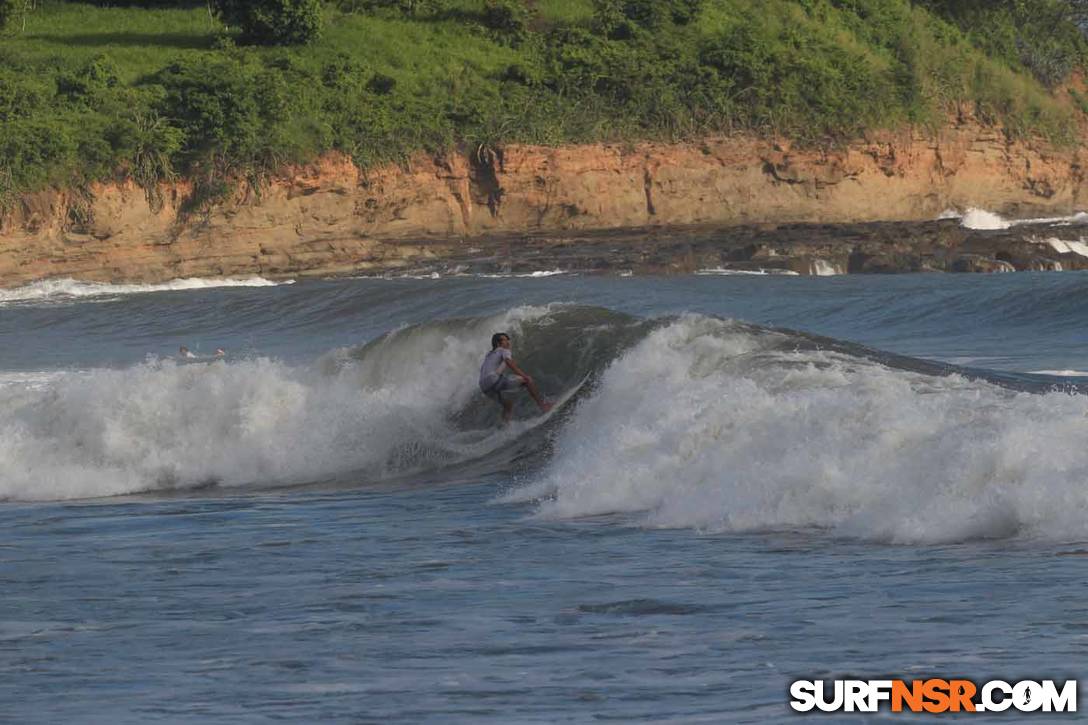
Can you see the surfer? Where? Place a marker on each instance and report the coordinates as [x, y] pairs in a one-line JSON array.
[[185, 353], [500, 377]]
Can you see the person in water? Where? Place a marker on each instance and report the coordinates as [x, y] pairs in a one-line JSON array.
[[500, 377], [187, 354]]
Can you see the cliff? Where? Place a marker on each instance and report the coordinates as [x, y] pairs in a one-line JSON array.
[[331, 218]]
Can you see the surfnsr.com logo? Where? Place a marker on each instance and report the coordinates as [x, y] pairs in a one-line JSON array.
[[933, 696]]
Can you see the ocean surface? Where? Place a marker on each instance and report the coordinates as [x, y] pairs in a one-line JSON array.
[[765, 478]]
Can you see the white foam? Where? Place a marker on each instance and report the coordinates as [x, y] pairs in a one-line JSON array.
[[982, 219], [160, 425], [539, 274], [70, 288], [1062, 246], [1061, 373], [543, 273], [1078, 218], [460, 272], [37, 380], [823, 268], [704, 425], [722, 272]]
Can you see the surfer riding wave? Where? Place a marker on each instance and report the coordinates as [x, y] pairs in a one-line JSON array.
[[500, 377]]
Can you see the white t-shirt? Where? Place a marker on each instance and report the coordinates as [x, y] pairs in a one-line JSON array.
[[494, 362]]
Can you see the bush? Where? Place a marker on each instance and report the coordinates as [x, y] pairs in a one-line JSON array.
[[228, 109], [22, 94], [618, 19], [8, 10], [508, 18], [148, 3], [147, 143], [654, 14], [33, 150], [800, 84], [89, 84], [410, 8], [272, 22], [1046, 37]]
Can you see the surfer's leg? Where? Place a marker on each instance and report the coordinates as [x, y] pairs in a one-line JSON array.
[[507, 410], [544, 405]]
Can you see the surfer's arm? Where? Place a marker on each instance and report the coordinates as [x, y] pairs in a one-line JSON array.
[[517, 371]]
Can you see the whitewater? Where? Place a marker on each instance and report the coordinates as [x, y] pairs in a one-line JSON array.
[[765, 477]]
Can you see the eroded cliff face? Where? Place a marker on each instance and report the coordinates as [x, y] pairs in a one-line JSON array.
[[331, 218]]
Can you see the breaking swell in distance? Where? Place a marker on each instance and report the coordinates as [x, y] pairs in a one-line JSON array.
[[69, 289]]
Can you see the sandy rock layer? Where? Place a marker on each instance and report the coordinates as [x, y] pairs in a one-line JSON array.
[[739, 203]]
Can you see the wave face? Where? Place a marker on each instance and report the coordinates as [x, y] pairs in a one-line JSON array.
[[718, 426]]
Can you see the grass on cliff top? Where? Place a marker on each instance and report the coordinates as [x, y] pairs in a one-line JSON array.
[[90, 92]]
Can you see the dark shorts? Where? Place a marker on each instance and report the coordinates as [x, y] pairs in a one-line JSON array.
[[506, 384]]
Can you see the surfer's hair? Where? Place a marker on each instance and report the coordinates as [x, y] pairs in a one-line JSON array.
[[497, 338]]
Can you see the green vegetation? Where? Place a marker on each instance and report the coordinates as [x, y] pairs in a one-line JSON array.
[[272, 22], [154, 89]]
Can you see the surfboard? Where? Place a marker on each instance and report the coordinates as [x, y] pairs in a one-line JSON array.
[[561, 401], [517, 427]]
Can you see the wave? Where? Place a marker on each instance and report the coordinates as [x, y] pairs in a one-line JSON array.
[[722, 272], [66, 289], [404, 402], [716, 426], [689, 421], [459, 272], [981, 219]]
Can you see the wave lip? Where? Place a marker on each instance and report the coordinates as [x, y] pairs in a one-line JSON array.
[[67, 288]]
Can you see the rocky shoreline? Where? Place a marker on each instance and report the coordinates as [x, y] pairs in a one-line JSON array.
[[803, 249], [732, 204]]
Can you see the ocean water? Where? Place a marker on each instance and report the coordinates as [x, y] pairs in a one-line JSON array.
[[765, 479]]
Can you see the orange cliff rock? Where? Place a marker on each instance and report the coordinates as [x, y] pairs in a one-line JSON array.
[[331, 218]]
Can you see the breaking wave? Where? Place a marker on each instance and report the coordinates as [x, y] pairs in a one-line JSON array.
[[716, 426], [66, 289], [404, 402], [981, 219], [689, 421]]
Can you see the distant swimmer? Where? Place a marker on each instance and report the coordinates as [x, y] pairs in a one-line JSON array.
[[185, 353], [500, 377]]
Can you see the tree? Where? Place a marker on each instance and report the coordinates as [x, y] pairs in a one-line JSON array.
[[272, 22]]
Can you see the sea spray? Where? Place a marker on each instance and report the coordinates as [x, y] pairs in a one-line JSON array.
[[705, 424], [383, 409], [981, 219]]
